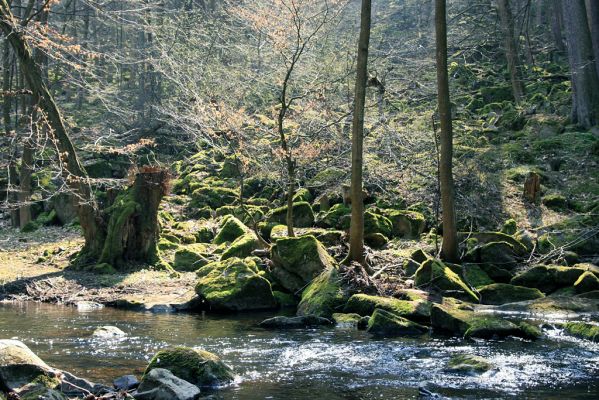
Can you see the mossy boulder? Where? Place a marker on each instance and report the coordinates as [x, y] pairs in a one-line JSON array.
[[385, 323], [501, 254], [413, 262], [231, 229], [376, 240], [502, 293], [436, 274], [548, 278], [213, 197], [234, 284], [285, 300], [189, 258], [587, 282], [475, 276], [20, 366], [555, 201], [297, 261], [468, 364], [497, 274], [195, 366], [449, 318], [303, 216], [38, 391], [338, 217], [583, 330], [406, 224], [302, 194], [349, 320], [415, 310], [377, 223], [325, 236], [324, 296], [242, 247], [247, 214]]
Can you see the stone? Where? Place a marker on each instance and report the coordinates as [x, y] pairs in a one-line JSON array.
[[468, 364], [406, 224], [502, 293], [548, 278], [20, 366], [365, 305], [376, 240], [347, 320], [161, 384], [37, 391], [385, 323], [323, 296], [299, 322], [231, 229], [189, 258], [107, 332], [587, 282], [196, 366], [582, 330], [436, 274], [234, 284], [125, 382], [303, 215]]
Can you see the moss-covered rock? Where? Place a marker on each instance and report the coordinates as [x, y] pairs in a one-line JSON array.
[[497, 274], [324, 296], [377, 223], [189, 258], [234, 285], [415, 310], [38, 391], [501, 254], [195, 366], [406, 224], [338, 217], [302, 194], [468, 364], [303, 216], [583, 330], [242, 247], [376, 240], [548, 278], [20, 366], [231, 229], [247, 214], [475, 276], [413, 262], [555, 201], [296, 261], [326, 236], [385, 323], [436, 274], [502, 293], [351, 320], [509, 227], [213, 197], [587, 282], [285, 300]]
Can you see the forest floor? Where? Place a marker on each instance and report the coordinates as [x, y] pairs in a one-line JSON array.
[[34, 266]]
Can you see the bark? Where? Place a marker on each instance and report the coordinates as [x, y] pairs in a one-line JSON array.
[[585, 82], [511, 48], [356, 230], [593, 18], [6, 108], [449, 247], [25, 215]]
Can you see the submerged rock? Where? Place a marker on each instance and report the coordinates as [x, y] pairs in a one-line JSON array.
[[126, 382], [363, 304], [108, 332], [196, 366], [350, 320], [324, 296], [300, 322], [468, 364], [20, 366], [161, 384], [384, 323], [234, 285], [502, 293]]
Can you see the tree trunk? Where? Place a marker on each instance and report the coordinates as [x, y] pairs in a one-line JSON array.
[[25, 215], [557, 25], [449, 247], [593, 18], [585, 82], [356, 229], [511, 48], [11, 195]]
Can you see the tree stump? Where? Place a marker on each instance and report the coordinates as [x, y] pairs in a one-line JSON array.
[[532, 187]]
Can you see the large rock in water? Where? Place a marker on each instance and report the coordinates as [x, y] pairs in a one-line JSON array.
[[385, 323], [196, 366], [548, 278], [300, 322], [234, 285], [435, 273], [363, 304], [297, 261], [324, 296], [161, 384], [502, 293], [20, 366]]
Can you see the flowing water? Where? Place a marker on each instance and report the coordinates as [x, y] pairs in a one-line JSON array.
[[326, 364]]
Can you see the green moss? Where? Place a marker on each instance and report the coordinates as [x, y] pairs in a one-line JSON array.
[[48, 218], [234, 285], [468, 364], [231, 229], [30, 226], [347, 319], [501, 293], [302, 194], [555, 202], [196, 366], [376, 240], [376, 223], [363, 304], [548, 278], [213, 197], [103, 269], [475, 276], [303, 216], [510, 227], [323, 296], [385, 323], [122, 209], [285, 300], [243, 246], [496, 94], [583, 330], [587, 282], [337, 217], [190, 258], [435, 273]]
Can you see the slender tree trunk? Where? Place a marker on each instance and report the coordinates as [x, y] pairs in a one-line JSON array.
[[11, 195], [356, 229], [449, 248], [557, 25], [593, 17], [511, 48], [585, 82], [25, 215]]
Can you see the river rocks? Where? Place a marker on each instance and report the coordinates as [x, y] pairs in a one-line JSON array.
[[37, 391], [243, 246], [582, 330], [468, 364], [108, 332], [324, 296], [436, 274], [190, 258], [196, 366], [554, 305], [72, 386], [297, 261], [20, 366], [351, 320], [384, 323], [231, 229], [126, 382], [475, 276], [450, 318], [587, 282], [303, 216], [234, 285], [548, 278], [502, 293], [161, 384], [300, 322], [363, 304]]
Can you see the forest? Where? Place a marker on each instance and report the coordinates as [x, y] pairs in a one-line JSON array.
[[299, 199]]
